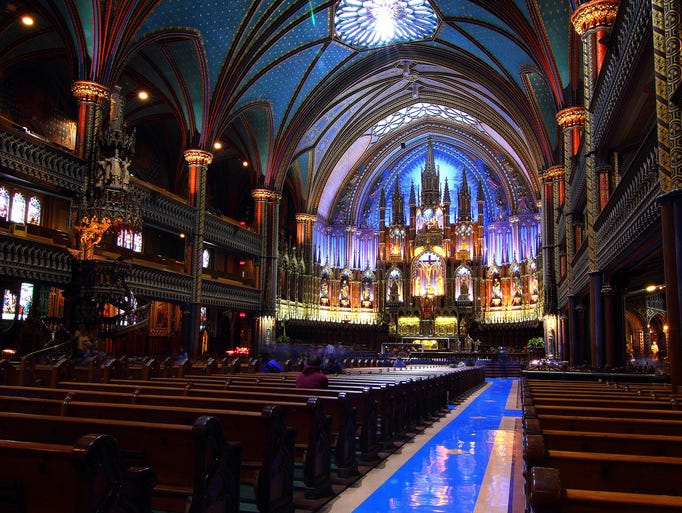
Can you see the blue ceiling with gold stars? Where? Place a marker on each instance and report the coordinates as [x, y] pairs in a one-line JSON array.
[[259, 75]]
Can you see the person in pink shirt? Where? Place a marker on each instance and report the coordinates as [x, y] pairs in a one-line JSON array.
[[311, 376]]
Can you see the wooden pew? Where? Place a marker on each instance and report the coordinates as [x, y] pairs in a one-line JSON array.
[[602, 423], [539, 410], [550, 495], [311, 425], [339, 408], [591, 441], [622, 472], [88, 476], [384, 394], [189, 460], [363, 401]]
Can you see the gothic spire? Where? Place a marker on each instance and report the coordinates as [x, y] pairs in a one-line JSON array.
[[464, 199], [430, 193], [398, 205]]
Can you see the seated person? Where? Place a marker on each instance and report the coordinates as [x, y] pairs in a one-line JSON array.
[[272, 366], [331, 366], [399, 363], [311, 376]]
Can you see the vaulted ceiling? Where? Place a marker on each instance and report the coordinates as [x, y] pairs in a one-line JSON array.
[[273, 83]]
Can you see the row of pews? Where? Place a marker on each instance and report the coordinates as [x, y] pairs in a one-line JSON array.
[[601, 447], [205, 442]]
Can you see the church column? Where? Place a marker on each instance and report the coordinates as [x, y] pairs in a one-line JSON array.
[[604, 173], [304, 228], [91, 98], [266, 223], [581, 354], [571, 121], [197, 162], [593, 21], [609, 294], [667, 39], [550, 253]]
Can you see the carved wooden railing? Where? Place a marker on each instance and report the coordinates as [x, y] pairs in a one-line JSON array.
[[232, 236], [160, 284], [39, 161], [215, 293], [632, 209], [631, 31], [34, 261]]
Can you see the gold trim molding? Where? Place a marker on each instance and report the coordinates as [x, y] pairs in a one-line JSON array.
[[265, 194], [305, 217], [198, 157], [87, 91], [571, 117], [552, 173], [595, 14]]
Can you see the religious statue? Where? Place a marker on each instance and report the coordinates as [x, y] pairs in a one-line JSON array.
[[345, 292], [366, 293], [427, 307], [393, 290], [324, 291], [497, 292]]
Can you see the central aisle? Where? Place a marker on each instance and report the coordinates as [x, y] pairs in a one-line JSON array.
[[462, 464]]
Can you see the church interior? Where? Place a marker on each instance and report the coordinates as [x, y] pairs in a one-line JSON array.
[[430, 180]]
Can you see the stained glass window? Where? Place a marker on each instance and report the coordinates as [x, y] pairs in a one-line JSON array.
[[4, 203], [17, 307], [9, 304], [34, 210], [18, 212], [374, 23], [130, 240]]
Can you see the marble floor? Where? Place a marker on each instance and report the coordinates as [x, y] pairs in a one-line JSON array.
[[467, 462]]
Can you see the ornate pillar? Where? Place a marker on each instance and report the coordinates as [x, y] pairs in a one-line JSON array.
[[608, 292], [198, 162], [304, 227], [571, 121], [581, 332], [91, 98], [592, 21], [667, 35], [550, 254], [604, 173], [267, 225]]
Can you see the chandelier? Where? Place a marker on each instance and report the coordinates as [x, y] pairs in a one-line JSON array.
[[374, 23]]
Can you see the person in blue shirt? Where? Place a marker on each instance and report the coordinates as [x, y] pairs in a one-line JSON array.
[[272, 366]]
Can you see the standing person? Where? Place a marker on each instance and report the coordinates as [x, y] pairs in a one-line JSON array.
[[502, 357], [311, 376], [182, 355]]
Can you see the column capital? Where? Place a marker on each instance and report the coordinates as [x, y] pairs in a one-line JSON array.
[[304, 217], [595, 14], [608, 290], [265, 194], [198, 157], [571, 117], [552, 174], [87, 91]]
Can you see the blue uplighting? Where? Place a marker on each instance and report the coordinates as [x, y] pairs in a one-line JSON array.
[[446, 474]]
